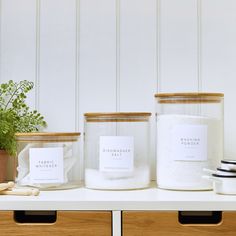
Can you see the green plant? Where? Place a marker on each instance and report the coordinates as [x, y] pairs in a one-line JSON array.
[[15, 115]]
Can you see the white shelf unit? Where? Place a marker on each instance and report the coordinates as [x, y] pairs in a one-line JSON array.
[[151, 199]]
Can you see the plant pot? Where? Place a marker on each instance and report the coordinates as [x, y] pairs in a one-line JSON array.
[[3, 165]]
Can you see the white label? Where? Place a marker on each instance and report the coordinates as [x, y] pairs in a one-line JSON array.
[[116, 153], [189, 143], [46, 165]]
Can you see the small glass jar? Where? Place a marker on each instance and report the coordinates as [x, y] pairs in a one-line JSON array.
[[48, 160], [116, 150], [189, 138]]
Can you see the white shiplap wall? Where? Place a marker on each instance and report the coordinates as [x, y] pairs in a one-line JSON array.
[[113, 55]]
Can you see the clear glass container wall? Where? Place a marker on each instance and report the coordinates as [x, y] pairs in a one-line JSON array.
[[189, 138], [48, 160], [116, 150]]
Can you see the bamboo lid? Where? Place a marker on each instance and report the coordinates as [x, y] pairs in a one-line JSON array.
[[195, 95], [117, 116], [47, 136], [189, 97]]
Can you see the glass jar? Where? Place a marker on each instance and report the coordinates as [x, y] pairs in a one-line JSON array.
[[116, 150], [189, 138], [48, 160]]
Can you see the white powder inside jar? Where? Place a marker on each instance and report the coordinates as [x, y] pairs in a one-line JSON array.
[[174, 173], [139, 178]]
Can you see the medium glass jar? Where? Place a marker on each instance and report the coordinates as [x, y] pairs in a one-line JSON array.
[[116, 150], [48, 160], [189, 138]]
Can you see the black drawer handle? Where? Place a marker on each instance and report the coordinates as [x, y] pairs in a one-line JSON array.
[[199, 217], [36, 217]]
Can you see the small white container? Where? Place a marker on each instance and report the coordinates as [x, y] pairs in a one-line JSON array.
[[116, 150], [221, 171], [48, 160], [228, 164], [223, 184]]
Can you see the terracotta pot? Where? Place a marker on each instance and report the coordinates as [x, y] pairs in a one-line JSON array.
[[3, 165]]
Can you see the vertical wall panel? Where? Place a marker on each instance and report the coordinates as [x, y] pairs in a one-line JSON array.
[[137, 59], [97, 65], [17, 40], [178, 65], [219, 58], [137, 54], [57, 68]]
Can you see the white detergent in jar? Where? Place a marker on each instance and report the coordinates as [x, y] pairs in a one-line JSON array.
[[138, 178], [116, 150], [185, 145]]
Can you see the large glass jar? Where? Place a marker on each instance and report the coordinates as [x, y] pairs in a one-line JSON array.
[[48, 160], [189, 138], [116, 150]]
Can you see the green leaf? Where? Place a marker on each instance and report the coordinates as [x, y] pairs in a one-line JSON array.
[[16, 115]]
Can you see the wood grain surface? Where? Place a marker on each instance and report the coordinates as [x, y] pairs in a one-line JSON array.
[[69, 223], [166, 224]]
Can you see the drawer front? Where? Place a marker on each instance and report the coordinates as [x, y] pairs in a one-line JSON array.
[[68, 223], [167, 224]]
